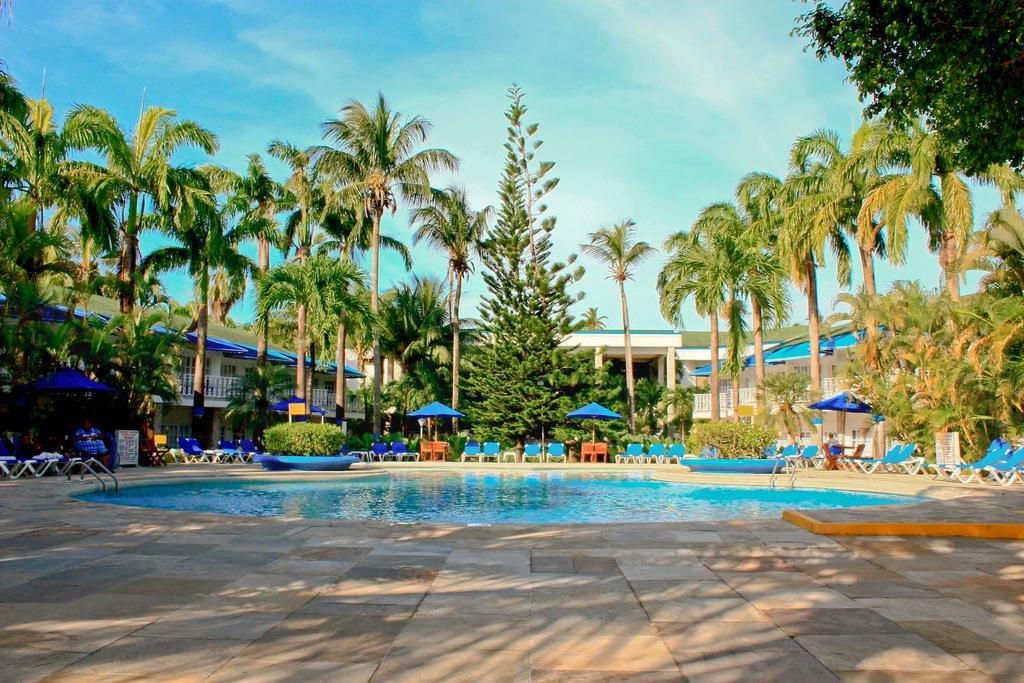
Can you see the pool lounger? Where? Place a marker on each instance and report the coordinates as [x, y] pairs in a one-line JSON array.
[[1007, 472], [634, 453]]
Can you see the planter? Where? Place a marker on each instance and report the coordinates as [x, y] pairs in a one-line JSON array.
[[305, 463], [734, 465]]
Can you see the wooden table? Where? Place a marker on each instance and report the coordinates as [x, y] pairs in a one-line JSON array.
[[433, 450]]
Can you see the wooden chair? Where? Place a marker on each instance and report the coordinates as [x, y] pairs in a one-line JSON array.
[[440, 450]]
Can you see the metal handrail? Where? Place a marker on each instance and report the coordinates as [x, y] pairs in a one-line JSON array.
[[87, 466]]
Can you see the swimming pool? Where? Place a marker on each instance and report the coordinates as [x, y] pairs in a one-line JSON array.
[[475, 497]]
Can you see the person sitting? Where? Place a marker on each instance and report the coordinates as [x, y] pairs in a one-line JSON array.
[[834, 447], [89, 440]]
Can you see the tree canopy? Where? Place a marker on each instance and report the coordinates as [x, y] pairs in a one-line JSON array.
[[957, 63]]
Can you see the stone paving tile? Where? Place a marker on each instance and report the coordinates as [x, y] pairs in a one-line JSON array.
[[181, 658], [755, 665], [819, 621], [418, 665], [255, 670], [309, 637], [952, 637], [883, 652]]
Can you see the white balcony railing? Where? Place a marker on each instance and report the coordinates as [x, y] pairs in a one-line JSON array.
[[748, 397], [217, 386]]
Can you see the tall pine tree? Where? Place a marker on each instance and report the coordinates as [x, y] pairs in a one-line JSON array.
[[519, 377]]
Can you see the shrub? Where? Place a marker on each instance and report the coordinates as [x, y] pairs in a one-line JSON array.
[[304, 438], [732, 439]]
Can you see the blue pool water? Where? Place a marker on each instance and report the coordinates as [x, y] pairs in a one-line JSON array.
[[487, 498]]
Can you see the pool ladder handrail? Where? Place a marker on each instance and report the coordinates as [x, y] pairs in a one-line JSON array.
[[90, 467], [789, 468]]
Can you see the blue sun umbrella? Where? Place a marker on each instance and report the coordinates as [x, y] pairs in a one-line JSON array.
[[282, 407], [843, 403], [433, 411], [594, 412], [68, 380]]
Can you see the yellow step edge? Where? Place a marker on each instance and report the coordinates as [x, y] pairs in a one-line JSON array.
[[1007, 530]]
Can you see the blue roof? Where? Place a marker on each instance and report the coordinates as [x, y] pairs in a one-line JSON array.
[[436, 409], [793, 350], [594, 411]]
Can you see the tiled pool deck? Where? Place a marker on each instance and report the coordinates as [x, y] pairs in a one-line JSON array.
[[110, 593]]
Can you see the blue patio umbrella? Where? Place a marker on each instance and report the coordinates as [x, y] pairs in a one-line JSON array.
[[282, 407], [436, 409], [843, 403], [433, 411], [68, 379], [593, 412]]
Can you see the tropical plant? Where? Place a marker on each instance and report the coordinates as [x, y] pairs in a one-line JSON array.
[[451, 225], [616, 247], [376, 163], [677, 404], [323, 286], [787, 391], [248, 411], [730, 439], [592, 320], [650, 406]]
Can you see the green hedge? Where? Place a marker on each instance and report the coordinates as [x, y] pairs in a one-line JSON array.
[[732, 439], [304, 438]]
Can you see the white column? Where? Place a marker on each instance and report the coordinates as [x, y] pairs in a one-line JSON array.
[[661, 370], [598, 358], [670, 368]]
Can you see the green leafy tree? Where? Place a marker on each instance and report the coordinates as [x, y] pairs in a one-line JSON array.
[[375, 161], [592, 320], [678, 407], [616, 247], [958, 63], [787, 391], [650, 414]]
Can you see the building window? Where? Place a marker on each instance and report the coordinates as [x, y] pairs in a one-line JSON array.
[[228, 370]]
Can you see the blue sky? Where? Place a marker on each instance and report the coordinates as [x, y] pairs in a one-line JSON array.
[[650, 110]]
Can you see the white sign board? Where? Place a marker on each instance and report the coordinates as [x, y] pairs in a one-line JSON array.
[[947, 448], [127, 447]]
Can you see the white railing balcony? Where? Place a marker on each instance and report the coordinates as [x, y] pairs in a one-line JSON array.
[[324, 398], [830, 386], [217, 386]]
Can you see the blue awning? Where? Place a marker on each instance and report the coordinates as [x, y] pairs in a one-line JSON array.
[[845, 402], [436, 409], [594, 411], [794, 350]]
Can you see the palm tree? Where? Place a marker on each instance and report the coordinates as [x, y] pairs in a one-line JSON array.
[[787, 391], [723, 223], [204, 243], [348, 233], [448, 223], [927, 186], [758, 195], [305, 193], [255, 197], [592, 320], [324, 286], [809, 228], [698, 268], [375, 161], [416, 330], [617, 248], [137, 171]]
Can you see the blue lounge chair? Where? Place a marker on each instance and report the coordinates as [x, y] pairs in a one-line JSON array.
[[556, 450], [532, 451], [676, 451], [634, 453], [492, 450], [191, 451], [891, 459], [249, 449], [656, 453], [228, 451], [399, 451], [851, 464], [909, 463], [789, 451], [770, 450], [806, 458], [379, 450], [471, 451], [997, 452], [1008, 471]]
